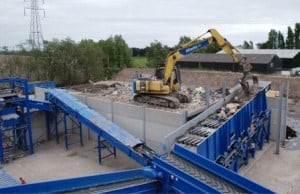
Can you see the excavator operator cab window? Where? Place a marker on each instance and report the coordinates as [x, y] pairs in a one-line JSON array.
[[159, 71]]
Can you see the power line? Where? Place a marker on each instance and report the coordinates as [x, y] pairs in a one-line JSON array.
[[35, 35]]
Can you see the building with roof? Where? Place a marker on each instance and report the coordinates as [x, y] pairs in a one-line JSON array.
[[290, 58], [263, 63]]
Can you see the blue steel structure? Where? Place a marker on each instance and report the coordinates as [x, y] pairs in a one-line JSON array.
[[15, 121], [179, 171], [244, 132], [41, 84], [104, 128]]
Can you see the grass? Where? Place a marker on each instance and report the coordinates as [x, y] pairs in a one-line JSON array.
[[139, 62]]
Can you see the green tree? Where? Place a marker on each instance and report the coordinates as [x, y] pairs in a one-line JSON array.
[[124, 53], [156, 53], [58, 60], [117, 54], [90, 60], [271, 43], [247, 45], [138, 52], [281, 43], [51, 57], [183, 40], [297, 35], [290, 40]]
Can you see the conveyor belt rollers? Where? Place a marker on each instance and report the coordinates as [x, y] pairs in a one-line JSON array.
[[202, 175]]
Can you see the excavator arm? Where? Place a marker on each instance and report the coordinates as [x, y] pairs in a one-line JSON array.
[[197, 44], [163, 89]]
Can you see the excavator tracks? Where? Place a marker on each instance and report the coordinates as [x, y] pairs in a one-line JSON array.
[[202, 175], [158, 100]]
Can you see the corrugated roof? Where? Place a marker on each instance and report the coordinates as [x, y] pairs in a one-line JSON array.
[[281, 53], [224, 58]]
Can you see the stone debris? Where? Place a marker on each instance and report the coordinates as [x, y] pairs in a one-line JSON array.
[[232, 107], [272, 93], [122, 92]]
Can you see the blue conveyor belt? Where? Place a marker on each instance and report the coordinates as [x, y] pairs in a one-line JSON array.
[[88, 116], [117, 136]]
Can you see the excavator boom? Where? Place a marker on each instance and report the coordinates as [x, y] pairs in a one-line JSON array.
[[154, 90]]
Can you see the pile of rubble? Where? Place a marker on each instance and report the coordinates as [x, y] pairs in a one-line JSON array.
[[122, 92]]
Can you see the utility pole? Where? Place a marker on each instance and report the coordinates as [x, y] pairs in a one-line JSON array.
[[35, 35]]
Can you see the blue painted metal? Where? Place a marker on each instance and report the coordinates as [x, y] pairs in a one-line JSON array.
[[47, 120], [134, 86], [194, 47], [6, 180], [19, 106], [175, 179], [41, 84], [41, 105], [231, 142], [56, 128], [148, 187], [117, 136], [78, 183], [67, 129], [169, 177], [220, 171], [104, 145]]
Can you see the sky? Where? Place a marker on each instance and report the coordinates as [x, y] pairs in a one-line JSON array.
[[140, 22]]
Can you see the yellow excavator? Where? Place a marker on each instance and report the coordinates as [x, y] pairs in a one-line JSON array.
[[164, 88]]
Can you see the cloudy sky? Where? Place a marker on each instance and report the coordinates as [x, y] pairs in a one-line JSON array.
[[143, 21]]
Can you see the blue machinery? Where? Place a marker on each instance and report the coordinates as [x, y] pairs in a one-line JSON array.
[[15, 119], [194, 165]]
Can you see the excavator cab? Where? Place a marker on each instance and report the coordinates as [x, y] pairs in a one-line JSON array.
[[175, 78]]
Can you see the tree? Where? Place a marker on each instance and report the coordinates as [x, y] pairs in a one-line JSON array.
[[156, 53], [183, 40], [297, 35], [274, 41], [281, 43], [247, 45], [138, 52], [90, 60], [290, 41], [117, 53], [124, 53]]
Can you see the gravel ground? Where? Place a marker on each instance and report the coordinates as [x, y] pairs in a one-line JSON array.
[[121, 91]]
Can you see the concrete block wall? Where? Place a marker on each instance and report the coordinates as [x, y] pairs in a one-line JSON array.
[[148, 124], [273, 105]]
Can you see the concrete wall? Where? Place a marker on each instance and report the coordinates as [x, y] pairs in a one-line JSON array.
[[273, 105], [38, 126], [148, 124]]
